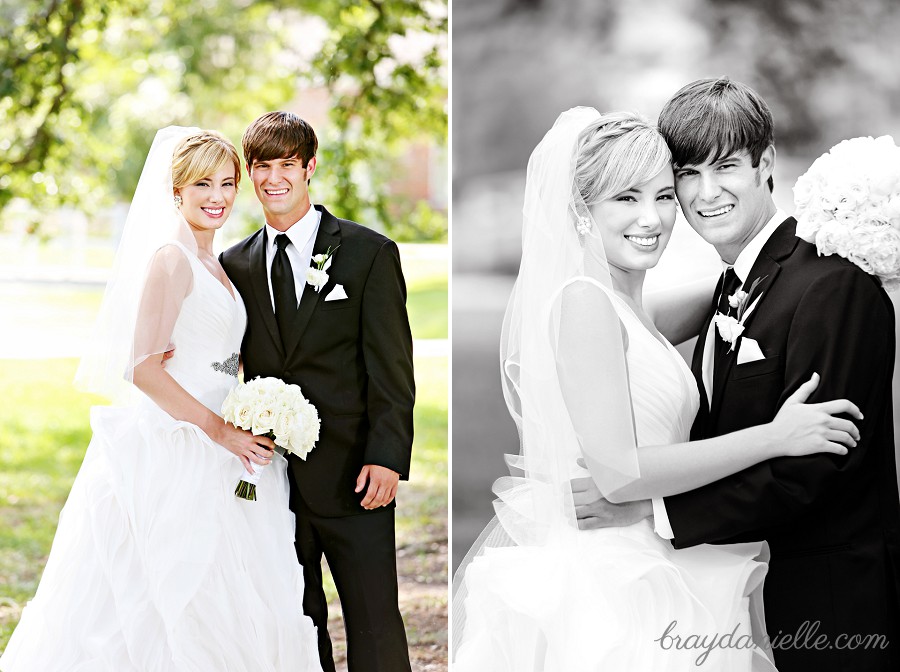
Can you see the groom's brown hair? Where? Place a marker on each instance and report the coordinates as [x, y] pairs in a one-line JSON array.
[[710, 119], [279, 135]]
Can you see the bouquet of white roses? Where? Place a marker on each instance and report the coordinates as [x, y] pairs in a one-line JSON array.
[[848, 203], [271, 407]]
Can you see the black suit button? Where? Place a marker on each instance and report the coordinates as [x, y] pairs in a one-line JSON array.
[[286, 374]]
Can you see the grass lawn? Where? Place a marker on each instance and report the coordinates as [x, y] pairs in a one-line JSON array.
[[36, 310], [44, 432], [426, 303]]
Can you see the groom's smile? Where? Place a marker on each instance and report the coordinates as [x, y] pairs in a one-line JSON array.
[[282, 188], [727, 201], [724, 210]]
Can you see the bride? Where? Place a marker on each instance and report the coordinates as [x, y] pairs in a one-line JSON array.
[[587, 376], [156, 565]]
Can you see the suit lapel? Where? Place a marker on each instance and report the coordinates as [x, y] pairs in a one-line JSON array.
[[259, 281], [329, 235], [780, 245]]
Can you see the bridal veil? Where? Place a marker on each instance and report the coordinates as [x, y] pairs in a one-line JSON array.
[[541, 336], [139, 310]]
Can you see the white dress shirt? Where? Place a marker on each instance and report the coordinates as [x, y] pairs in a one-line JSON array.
[[302, 235], [742, 267]]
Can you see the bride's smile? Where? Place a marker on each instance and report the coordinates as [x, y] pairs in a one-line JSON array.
[[635, 225], [207, 203]]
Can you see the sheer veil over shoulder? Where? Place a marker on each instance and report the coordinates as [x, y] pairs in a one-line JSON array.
[[535, 508], [153, 222]]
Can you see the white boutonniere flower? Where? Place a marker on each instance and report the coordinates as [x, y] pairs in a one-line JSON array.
[[730, 327], [317, 274], [737, 298]]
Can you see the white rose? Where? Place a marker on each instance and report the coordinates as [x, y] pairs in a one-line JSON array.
[[833, 238], [876, 249], [229, 404], [284, 424], [316, 278], [892, 211], [242, 416], [891, 283], [305, 431], [831, 199], [729, 328], [854, 194], [737, 298], [291, 393], [805, 191], [263, 420], [273, 386], [806, 229], [810, 222], [846, 216]]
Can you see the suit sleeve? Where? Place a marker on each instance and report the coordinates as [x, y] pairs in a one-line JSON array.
[[387, 349], [843, 330]]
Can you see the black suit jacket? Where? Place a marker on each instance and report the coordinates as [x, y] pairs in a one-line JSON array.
[[351, 357], [832, 522]]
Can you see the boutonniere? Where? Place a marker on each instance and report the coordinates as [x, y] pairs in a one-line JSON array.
[[730, 326], [317, 273]]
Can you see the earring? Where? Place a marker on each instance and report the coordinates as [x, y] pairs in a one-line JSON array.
[[583, 227], [178, 200]]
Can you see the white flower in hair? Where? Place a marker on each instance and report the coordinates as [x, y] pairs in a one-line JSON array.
[[583, 227]]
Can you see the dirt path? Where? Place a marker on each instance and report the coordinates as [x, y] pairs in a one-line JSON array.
[[422, 568]]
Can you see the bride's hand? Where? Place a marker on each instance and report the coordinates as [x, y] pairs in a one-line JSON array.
[[247, 447], [805, 429]]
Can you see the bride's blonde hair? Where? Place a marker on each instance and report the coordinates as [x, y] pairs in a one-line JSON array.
[[618, 151], [202, 154]]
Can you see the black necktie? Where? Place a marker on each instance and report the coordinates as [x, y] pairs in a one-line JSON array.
[[730, 284], [283, 290]]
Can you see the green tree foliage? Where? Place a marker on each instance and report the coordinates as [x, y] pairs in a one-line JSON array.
[[380, 99], [84, 84]]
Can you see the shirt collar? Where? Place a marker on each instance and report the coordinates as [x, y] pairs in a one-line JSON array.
[[299, 232], [745, 260]]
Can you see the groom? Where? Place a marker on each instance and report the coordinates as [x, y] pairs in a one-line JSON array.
[[832, 522], [343, 335]]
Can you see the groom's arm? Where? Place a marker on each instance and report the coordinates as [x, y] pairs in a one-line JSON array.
[[387, 349], [842, 329]]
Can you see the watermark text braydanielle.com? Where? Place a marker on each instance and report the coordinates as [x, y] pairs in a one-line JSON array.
[[806, 637]]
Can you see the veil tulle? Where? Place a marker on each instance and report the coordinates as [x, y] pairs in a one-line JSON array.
[[138, 308], [535, 508]]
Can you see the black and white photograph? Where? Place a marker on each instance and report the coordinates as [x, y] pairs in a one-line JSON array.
[[675, 250]]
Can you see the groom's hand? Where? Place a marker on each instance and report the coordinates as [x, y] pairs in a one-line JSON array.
[[168, 354], [382, 485], [593, 511]]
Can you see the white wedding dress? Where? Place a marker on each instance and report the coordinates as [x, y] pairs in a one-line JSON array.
[[156, 565], [603, 599]]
